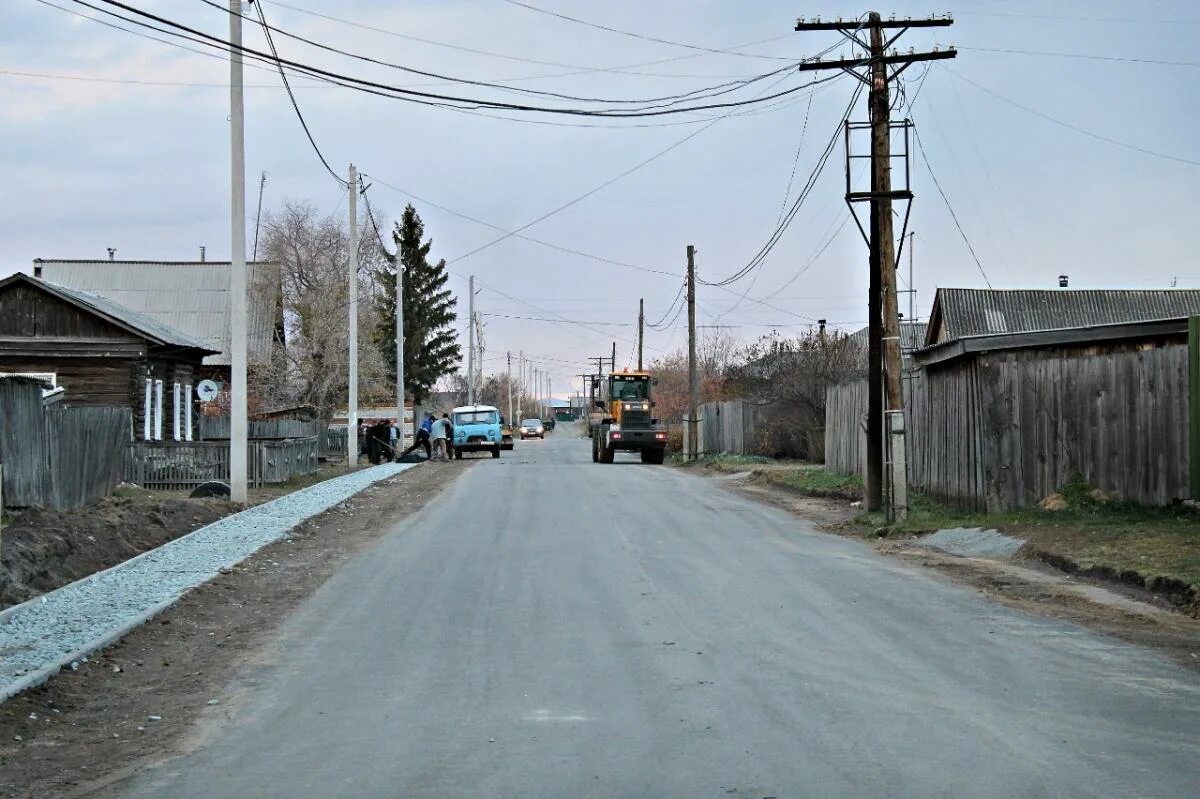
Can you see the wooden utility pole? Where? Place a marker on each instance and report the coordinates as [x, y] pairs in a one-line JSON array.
[[693, 382], [613, 361], [885, 392], [641, 329]]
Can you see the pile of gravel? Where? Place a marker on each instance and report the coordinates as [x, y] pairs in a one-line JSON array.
[[39, 637], [973, 542]]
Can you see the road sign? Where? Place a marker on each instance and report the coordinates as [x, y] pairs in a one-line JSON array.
[[206, 390]]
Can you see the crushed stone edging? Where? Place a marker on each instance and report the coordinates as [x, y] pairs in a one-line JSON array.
[[220, 545]]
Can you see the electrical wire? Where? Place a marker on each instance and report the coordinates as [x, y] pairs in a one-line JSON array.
[[420, 97], [579, 69], [774, 238], [1085, 56], [712, 91], [795, 161], [949, 207], [638, 35], [659, 324], [296, 106], [1076, 128]]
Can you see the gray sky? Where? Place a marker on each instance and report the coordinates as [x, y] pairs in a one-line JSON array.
[[143, 167]]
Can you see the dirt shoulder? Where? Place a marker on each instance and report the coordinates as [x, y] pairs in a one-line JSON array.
[[83, 730], [1100, 599]]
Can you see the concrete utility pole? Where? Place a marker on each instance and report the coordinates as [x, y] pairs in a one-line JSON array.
[[520, 384], [238, 427], [352, 402], [471, 341], [884, 369], [641, 329], [509, 382], [400, 350], [693, 381]]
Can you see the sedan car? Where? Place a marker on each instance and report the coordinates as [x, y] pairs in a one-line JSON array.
[[532, 428]]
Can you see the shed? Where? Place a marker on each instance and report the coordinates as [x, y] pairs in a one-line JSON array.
[[1001, 420], [102, 354]]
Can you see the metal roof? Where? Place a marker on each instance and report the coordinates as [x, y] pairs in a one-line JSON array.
[[960, 313], [188, 296], [912, 335]]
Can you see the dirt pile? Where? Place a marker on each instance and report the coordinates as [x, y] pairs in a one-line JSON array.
[[45, 549]]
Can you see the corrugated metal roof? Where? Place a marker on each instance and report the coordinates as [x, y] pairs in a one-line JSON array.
[[189, 296], [151, 328], [980, 312], [912, 335]]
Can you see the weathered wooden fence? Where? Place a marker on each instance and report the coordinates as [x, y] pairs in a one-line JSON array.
[[216, 428], [58, 457], [183, 465], [740, 427], [1005, 429]]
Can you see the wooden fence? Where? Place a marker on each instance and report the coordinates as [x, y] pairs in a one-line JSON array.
[[740, 427], [183, 465], [1005, 429], [216, 428], [57, 456]]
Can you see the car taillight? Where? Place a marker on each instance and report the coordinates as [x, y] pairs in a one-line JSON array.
[[660, 436], [616, 435]]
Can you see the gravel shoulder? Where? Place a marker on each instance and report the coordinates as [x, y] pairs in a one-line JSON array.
[[86, 728], [1125, 612]]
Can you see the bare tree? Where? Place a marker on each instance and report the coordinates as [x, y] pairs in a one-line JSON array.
[[312, 251]]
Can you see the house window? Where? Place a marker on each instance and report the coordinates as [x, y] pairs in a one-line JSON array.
[[176, 413], [147, 408], [187, 411], [158, 410]]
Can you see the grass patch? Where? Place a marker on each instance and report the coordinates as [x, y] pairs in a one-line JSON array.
[[815, 481], [1092, 534]]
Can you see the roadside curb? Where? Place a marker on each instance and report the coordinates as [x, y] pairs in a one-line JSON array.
[[61, 600]]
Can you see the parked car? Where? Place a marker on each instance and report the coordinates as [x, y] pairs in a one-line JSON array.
[[476, 428], [532, 428]]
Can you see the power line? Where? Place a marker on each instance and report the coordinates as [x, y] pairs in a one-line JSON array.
[[711, 91], [950, 208], [581, 70], [1076, 128], [1086, 56], [420, 97], [642, 36], [296, 106]]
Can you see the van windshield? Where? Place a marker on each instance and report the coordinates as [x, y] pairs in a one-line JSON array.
[[476, 417]]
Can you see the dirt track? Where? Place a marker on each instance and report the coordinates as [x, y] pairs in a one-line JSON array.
[[83, 729]]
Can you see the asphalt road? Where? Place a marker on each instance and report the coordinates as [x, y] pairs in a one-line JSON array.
[[558, 628]]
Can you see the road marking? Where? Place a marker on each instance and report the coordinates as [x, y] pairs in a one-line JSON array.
[[546, 715]]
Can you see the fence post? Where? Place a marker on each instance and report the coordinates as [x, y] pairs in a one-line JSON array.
[[1194, 404]]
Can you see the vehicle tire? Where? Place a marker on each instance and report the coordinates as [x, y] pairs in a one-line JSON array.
[[457, 454], [655, 456], [595, 450], [496, 451], [606, 454]]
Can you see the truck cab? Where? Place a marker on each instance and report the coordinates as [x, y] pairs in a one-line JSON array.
[[476, 428], [628, 422]]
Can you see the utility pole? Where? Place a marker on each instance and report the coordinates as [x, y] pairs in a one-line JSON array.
[[693, 382], [641, 329], [238, 427], [884, 372], [613, 361], [471, 340], [352, 405], [521, 383], [262, 184], [509, 381], [400, 351], [912, 288]]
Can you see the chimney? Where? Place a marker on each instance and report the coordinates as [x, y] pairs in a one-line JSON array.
[[201, 253], [111, 252], [1063, 280]]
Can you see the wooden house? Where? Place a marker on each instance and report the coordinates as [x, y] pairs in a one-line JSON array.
[[101, 353]]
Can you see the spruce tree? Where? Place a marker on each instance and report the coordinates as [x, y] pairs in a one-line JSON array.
[[431, 347]]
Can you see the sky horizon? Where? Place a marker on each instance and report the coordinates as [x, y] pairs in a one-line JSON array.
[[1063, 137]]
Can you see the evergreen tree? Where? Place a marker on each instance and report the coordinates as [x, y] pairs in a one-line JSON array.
[[431, 347]]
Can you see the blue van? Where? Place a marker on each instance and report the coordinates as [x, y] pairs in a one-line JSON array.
[[476, 427]]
